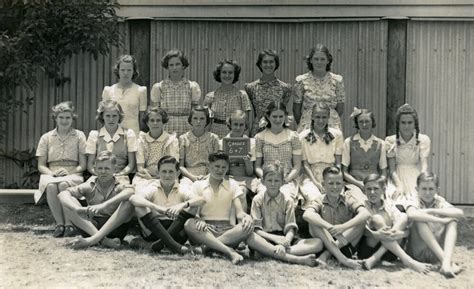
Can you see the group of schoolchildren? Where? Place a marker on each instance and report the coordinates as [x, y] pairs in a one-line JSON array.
[[302, 194]]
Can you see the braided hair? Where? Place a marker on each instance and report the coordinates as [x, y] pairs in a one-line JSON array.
[[322, 106], [407, 109]]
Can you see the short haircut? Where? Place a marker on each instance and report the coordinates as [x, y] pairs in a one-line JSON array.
[[168, 160], [65, 106], [239, 114], [268, 52], [273, 168], [381, 180], [158, 110], [219, 155], [174, 53], [318, 48], [427, 177], [126, 59], [217, 73], [331, 170], [200, 108], [275, 106], [111, 105], [106, 156]]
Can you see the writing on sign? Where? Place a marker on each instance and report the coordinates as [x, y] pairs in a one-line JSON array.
[[236, 147]]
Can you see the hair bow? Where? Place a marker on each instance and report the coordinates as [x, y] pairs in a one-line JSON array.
[[355, 112]]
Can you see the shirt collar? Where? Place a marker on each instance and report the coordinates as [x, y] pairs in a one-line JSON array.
[[435, 203], [270, 82], [69, 133], [162, 137], [360, 139], [402, 141], [374, 207], [158, 185], [105, 134], [278, 198], [225, 183], [193, 138]]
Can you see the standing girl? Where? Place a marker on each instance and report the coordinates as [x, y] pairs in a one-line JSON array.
[[114, 138], [131, 97], [227, 98], [176, 95], [319, 85], [61, 161], [407, 152]]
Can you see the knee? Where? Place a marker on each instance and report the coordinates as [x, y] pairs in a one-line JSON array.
[[190, 225], [62, 186], [141, 211], [52, 189], [377, 222]]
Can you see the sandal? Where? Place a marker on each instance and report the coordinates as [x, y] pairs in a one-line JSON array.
[[69, 231], [58, 231]]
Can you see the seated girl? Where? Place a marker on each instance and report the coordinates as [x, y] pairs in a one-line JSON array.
[[113, 138], [196, 145], [153, 145], [61, 161]]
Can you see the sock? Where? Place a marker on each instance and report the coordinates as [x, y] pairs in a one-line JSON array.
[[152, 222], [175, 230]]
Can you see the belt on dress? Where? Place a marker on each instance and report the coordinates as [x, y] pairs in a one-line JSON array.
[[363, 167]]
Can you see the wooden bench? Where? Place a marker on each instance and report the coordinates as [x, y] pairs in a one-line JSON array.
[[20, 196]]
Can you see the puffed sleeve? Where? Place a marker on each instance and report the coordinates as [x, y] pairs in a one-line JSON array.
[[173, 146], [298, 89], [391, 146], [107, 93], [91, 144], [141, 149], [295, 143], [131, 141], [425, 145], [246, 106], [209, 99], [155, 94], [195, 92], [346, 152], [142, 98], [338, 142], [42, 149], [256, 211], [82, 143], [340, 90]]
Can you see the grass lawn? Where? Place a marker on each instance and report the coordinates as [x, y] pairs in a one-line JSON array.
[[31, 258]]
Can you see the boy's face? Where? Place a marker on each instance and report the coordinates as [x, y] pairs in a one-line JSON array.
[[168, 173], [333, 185], [427, 191], [373, 191], [218, 169], [237, 127], [104, 169], [273, 182]]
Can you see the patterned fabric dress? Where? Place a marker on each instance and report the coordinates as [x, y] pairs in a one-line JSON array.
[[310, 90], [176, 98], [194, 151]]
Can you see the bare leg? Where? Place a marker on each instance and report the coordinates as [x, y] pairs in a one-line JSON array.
[[307, 246], [63, 186], [54, 203], [429, 238], [261, 245], [449, 243], [233, 236], [208, 239], [395, 248]]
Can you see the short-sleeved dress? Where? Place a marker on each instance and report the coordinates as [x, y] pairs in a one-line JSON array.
[[60, 153], [310, 90], [195, 151], [132, 100], [262, 93], [407, 156], [222, 104], [151, 150], [176, 98]]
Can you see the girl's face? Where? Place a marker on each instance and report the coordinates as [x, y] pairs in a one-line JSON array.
[[227, 74], [126, 71], [268, 64], [427, 191], [407, 124], [175, 67], [237, 127], [373, 191], [365, 123], [64, 120], [320, 119], [277, 118], [155, 121], [111, 117], [273, 182], [198, 120], [319, 61]]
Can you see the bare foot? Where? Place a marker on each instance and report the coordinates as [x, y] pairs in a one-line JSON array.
[[447, 271], [353, 264], [309, 260], [369, 263], [456, 268], [111, 243], [420, 267], [183, 250], [236, 258], [79, 243]]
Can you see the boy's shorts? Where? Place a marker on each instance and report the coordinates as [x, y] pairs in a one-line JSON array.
[[120, 232], [364, 251], [218, 228]]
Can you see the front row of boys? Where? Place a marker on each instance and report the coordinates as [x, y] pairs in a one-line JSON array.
[[358, 233]]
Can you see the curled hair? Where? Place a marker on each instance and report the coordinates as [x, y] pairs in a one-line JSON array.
[[318, 48], [273, 168], [105, 156], [331, 170], [355, 117], [268, 52], [219, 155], [217, 73], [427, 177], [158, 110], [65, 106], [275, 106], [328, 136], [204, 109], [110, 105], [126, 59], [236, 114], [168, 160], [174, 53], [407, 109]]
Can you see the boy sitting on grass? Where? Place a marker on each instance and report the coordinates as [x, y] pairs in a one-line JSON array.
[[434, 232], [108, 213], [337, 218], [213, 226], [162, 206]]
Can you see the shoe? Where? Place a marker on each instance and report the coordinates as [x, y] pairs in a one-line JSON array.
[[58, 231], [69, 231]]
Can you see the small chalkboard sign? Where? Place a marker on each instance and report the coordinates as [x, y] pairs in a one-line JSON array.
[[236, 147]]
